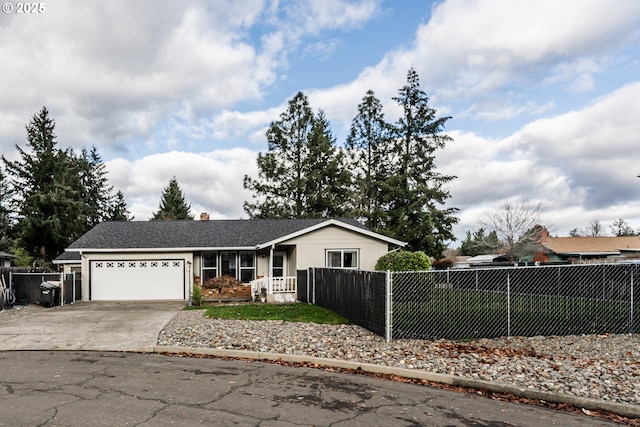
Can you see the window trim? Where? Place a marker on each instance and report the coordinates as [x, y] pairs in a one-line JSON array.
[[217, 270], [342, 252], [252, 268], [203, 268]]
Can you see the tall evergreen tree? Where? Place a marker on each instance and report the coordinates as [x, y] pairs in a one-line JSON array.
[[6, 241], [96, 191], [325, 177], [117, 210], [367, 147], [45, 181], [417, 194], [300, 174], [480, 243], [172, 204]]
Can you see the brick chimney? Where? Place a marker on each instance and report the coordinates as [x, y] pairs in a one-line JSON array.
[[544, 235], [204, 216]]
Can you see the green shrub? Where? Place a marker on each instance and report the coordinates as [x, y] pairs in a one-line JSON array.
[[404, 261], [196, 296]]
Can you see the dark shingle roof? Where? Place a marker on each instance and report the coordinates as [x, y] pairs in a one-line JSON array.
[[193, 234], [6, 255], [67, 257]]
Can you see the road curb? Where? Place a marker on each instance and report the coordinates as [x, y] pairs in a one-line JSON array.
[[622, 409]]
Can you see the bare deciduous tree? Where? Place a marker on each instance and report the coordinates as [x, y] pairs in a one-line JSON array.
[[517, 224], [594, 229], [620, 228]]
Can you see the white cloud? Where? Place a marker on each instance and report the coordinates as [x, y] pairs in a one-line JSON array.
[[148, 77], [314, 16], [471, 47], [211, 182], [579, 165]]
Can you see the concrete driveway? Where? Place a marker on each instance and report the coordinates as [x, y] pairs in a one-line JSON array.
[[108, 326]]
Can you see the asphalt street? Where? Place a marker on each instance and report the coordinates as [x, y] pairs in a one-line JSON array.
[[82, 388]]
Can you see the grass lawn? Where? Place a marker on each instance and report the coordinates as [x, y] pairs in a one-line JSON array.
[[296, 312]]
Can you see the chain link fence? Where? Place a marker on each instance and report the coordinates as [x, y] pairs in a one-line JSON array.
[[485, 303]]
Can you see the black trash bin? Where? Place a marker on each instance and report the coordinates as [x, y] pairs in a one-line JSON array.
[[50, 293]]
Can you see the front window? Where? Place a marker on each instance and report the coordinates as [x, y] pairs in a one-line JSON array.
[[247, 266], [209, 265], [239, 265], [342, 258]]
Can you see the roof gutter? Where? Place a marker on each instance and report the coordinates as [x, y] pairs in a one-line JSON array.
[[157, 250]]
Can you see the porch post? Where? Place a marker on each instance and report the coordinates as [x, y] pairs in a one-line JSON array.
[[270, 274]]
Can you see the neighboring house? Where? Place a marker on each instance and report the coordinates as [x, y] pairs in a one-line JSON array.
[[70, 262], [5, 259], [461, 261], [586, 248], [483, 260], [157, 260]]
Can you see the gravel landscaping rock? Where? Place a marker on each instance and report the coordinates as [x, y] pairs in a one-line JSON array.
[[605, 367]]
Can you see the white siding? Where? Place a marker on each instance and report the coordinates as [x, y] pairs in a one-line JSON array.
[[311, 247]]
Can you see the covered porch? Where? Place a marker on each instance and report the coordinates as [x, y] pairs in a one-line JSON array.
[[279, 284], [274, 289]]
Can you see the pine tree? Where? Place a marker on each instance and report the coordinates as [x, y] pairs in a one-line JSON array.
[[480, 243], [6, 241], [417, 196], [46, 192], [368, 153], [301, 175], [172, 204], [325, 176], [96, 192], [117, 210]]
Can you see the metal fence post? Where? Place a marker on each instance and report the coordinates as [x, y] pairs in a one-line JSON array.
[[61, 289], [508, 305], [313, 274], [389, 308], [631, 320], [308, 284]]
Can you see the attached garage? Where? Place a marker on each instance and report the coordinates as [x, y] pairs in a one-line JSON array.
[[141, 279]]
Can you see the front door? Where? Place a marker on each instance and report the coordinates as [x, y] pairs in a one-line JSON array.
[[279, 267], [228, 264]]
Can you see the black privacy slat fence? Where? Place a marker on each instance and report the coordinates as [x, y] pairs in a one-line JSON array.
[[359, 296], [482, 303], [26, 285]]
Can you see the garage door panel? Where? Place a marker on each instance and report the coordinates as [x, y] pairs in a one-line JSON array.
[[137, 279]]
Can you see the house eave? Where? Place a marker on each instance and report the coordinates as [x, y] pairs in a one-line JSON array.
[[336, 223], [599, 253], [159, 250]]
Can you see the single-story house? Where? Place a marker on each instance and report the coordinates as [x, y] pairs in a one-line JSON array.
[[585, 248], [5, 259], [480, 260], [70, 262], [157, 260]]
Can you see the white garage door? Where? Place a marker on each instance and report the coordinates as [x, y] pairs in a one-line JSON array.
[[154, 279]]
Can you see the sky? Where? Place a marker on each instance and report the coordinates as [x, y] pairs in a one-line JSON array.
[[544, 96]]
